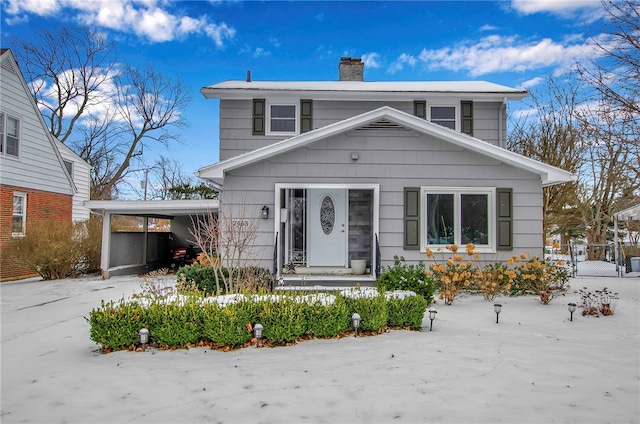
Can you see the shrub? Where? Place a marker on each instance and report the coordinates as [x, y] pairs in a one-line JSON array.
[[174, 324], [327, 320], [406, 312], [116, 325], [543, 278], [228, 325], [453, 274], [282, 318], [60, 249], [600, 302], [401, 276], [495, 279], [372, 308], [203, 277], [210, 279]]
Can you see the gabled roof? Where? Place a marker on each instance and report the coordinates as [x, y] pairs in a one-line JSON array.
[[365, 90], [549, 175], [10, 63]]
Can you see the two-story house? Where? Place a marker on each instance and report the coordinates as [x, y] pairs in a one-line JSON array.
[[36, 171], [337, 171]]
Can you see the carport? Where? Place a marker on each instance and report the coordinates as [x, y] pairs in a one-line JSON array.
[[126, 253]]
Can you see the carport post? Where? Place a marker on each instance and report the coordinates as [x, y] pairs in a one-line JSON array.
[[106, 245]]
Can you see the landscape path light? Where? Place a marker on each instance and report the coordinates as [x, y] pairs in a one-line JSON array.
[[355, 318], [432, 316], [257, 333], [144, 337], [497, 308], [572, 309]]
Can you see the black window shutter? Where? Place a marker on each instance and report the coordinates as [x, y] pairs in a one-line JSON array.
[[306, 115], [412, 218], [420, 108], [258, 117], [504, 221], [466, 109]]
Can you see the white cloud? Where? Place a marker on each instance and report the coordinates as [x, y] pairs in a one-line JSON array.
[[531, 83], [371, 60], [501, 54], [148, 19], [488, 27], [401, 61], [39, 7], [561, 7]]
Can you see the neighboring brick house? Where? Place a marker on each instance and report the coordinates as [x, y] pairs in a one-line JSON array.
[[34, 182], [337, 171]]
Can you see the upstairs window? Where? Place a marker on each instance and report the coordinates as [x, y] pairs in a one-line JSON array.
[[10, 135], [69, 165], [282, 119], [444, 115]]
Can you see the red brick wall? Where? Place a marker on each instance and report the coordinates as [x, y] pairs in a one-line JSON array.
[[41, 206]]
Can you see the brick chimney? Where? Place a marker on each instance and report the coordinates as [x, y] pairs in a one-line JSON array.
[[351, 69]]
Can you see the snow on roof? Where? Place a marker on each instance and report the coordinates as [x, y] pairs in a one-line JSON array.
[[386, 87]]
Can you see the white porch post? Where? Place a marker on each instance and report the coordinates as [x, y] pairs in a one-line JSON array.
[[106, 245]]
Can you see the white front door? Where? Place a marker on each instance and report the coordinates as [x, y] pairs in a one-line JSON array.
[[327, 244]]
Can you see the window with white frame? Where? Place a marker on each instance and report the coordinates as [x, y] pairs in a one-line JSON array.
[[18, 225], [69, 165], [458, 216], [282, 118], [443, 115], [9, 135]]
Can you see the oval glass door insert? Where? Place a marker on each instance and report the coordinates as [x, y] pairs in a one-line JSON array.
[[327, 215]]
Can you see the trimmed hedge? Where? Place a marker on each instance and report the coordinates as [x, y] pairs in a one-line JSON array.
[[407, 312], [188, 320]]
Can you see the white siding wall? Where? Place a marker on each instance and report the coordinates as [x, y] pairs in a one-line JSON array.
[[393, 159], [39, 165], [82, 180]]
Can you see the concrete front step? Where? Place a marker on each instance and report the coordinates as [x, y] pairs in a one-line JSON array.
[[324, 282]]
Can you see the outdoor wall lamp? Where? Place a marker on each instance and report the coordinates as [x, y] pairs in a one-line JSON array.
[[257, 333], [144, 337], [355, 318], [572, 309], [265, 212], [432, 316], [497, 308]]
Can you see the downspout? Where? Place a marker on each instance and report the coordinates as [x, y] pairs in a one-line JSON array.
[[501, 118]]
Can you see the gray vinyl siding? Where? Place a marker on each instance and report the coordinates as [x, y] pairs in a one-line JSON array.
[[236, 121], [38, 166], [394, 160]]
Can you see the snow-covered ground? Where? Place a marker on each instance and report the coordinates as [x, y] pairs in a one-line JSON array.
[[535, 366]]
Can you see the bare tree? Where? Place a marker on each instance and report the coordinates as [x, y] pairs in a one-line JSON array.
[[610, 175], [552, 135], [616, 71], [107, 112], [67, 69], [228, 239]]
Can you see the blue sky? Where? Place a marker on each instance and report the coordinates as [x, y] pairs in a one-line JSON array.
[[515, 43]]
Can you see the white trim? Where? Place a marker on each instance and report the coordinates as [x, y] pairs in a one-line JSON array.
[[456, 113], [490, 247], [360, 186], [23, 214], [160, 207], [296, 119], [549, 175]]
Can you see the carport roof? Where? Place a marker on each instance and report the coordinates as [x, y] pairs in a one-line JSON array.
[[154, 207]]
